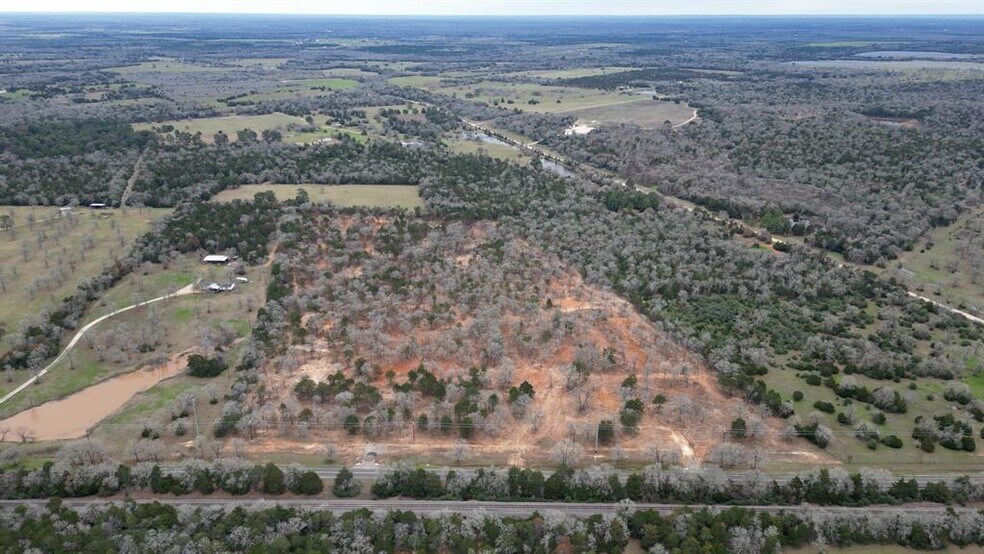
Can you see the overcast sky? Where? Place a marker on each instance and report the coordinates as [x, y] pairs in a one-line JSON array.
[[505, 7]]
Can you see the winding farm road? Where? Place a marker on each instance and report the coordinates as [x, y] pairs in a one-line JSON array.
[[188, 289], [682, 123], [943, 306]]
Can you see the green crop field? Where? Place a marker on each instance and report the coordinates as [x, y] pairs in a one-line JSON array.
[[385, 196]]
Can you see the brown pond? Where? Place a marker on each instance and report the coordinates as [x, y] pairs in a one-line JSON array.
[[69, 417]]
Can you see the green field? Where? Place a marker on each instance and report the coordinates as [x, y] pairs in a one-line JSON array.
[[942, 266], [854, 453], [9, 96], [210, 126], [383, 196]]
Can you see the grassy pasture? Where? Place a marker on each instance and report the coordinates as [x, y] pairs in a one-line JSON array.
[[546, 99], [360, 130], [180, 321], [572, 73], [893, 65], [601, 106], [644, 112], [467, 145], [942, 265], [323, 133], [12, 96], [841, 44], [429, 82], [229, 124], [37, 267], [854, 453], [349, 73], [165, 66], [262, 63], [384, 196], [301, 88]]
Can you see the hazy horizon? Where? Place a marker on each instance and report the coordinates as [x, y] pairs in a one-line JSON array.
[[508, 8]]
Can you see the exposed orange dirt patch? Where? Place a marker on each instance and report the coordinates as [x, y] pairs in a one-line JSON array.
[[551, 320]]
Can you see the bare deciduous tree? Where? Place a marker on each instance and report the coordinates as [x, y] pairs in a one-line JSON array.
[[567, 453]]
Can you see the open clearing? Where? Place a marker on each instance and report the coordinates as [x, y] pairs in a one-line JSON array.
[[948, 265], [547, 297], [165, 66], [210, 126], [644, 112], [173, 326], [42, 262], [891, 65], [534, 98], [853, 452], [572, 73], [382, 196], [482, 144], [300, 88], [601, 106]]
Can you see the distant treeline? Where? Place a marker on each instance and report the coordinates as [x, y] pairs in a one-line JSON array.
[[639, 78]]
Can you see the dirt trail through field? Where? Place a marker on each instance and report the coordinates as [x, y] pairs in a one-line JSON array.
[[133, 179], [189, 289]]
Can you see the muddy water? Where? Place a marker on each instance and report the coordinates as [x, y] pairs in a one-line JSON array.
[[69, 417]]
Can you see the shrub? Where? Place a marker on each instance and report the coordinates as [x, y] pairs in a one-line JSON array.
[[879, 418], [892, 441], [351, 424], [824, 406], [345, 485], [308, 483], [797, 396], [200, 366], [738, 428], [606, 431], [273, 480]]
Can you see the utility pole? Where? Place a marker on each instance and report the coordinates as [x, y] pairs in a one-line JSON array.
[[194, 408]]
